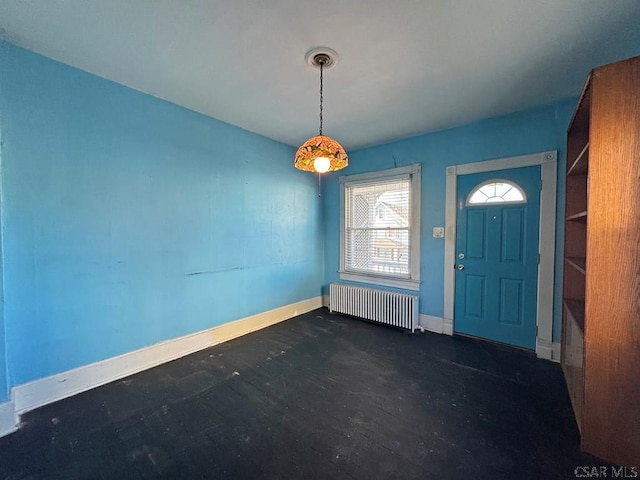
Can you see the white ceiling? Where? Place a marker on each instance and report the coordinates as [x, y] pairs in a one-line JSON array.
[[406, 66]]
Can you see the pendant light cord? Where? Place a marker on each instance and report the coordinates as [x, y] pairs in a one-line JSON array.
[[321, 62]]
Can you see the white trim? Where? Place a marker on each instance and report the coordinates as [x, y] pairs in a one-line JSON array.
[[8, 418], [548, 172], [505, 163], [46, 390], [556, 352], [326, 302], [412, 282], [450, 243], [447, 327], [431, 323], [547, 246], [405, 283], [435, 324], [544, 349], [390, 173], [548, 350]]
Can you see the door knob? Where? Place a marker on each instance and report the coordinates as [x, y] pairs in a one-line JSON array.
[[460, 266]]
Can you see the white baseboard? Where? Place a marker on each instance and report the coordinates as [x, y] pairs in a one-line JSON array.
[[326, 302], [431, 323], [46, 390], [436, 324], [548, 350], [447, 327], [8, 418]]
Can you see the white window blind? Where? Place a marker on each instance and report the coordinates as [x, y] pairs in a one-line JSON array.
[[378, 227]]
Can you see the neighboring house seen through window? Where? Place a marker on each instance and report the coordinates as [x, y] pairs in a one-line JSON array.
[[380, 227]]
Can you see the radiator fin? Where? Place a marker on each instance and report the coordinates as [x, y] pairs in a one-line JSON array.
[[392, 308]]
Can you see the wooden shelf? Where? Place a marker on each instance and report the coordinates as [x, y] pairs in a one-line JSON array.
[[579, 263], [581, 116], [600, 357], [578, 217], [580, 166], [574, 288], [576, 310]]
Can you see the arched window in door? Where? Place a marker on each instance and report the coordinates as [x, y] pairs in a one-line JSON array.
[[496, 191]]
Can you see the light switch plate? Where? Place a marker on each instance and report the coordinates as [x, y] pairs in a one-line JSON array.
[[438, 232]]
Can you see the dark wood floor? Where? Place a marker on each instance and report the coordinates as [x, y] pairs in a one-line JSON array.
[[321, 396]]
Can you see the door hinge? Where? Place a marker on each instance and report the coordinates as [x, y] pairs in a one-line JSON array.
[[538, 258]]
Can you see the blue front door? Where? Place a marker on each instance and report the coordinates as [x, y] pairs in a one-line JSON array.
[[497, 255]]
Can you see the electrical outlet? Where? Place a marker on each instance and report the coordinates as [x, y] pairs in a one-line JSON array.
[[438, 232]]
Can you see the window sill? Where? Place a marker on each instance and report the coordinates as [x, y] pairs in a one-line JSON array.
[[406, 283]]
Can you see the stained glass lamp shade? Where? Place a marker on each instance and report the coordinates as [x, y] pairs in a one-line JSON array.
[[321, 154]]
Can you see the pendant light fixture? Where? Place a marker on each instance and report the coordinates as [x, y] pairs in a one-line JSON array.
[[321, 153]]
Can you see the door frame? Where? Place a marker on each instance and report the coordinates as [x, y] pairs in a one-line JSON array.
[[548, 162]]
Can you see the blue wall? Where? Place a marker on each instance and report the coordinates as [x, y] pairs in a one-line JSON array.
[[130, 220], [4, 386], [521, 133]]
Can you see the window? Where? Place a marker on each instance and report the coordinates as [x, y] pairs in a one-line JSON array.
[[380, 227], [496, 191]]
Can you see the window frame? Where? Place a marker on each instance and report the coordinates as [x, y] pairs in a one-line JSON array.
[[412, 281], [481, 185]]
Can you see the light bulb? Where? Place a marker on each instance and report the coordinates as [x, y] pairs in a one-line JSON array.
[[321, 164]]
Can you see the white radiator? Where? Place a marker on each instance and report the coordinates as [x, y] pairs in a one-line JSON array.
[[392, 308]]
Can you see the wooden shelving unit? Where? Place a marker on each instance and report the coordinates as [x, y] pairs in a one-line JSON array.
[[578, 263], [601, 290], [580, 166]]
